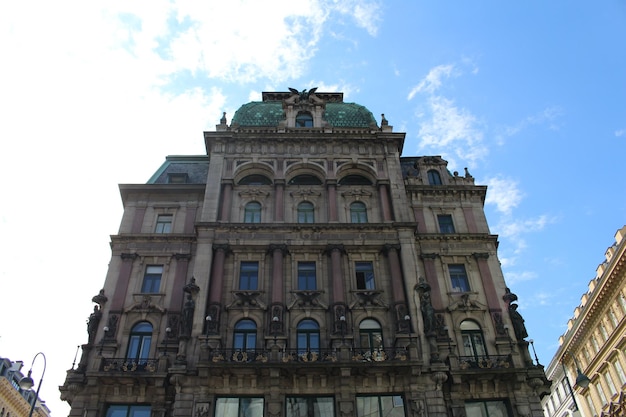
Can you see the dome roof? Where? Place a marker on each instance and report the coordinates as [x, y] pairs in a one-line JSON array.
[[270, 113]]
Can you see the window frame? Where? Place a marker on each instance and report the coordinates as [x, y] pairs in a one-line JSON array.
[[252, 212], [162, 225], [358, 212], [245, 334], [304, 119], [365, 277], [473, 340], [128, 412], [243, 406], [249, 277], [306, 214], [151, 282], [308, 336], [140, 342], [371, 335], [307, 275], [446, 223], [434, 177], [383, 409], [309, 402], [459, 278], [485, 411]]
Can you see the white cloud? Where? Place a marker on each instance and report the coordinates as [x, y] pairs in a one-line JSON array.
[[516, 277], [432, 81], [451, 132], [620, 132], [504, 193]]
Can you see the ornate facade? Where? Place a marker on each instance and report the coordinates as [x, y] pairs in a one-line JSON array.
[[15, 401], [303, 267], [594, 346]]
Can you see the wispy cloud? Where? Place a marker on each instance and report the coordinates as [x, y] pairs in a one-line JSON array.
[[620, 132], [549, 117], [432, 81], [504, 194]]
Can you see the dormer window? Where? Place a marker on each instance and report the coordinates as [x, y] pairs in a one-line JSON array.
[[304, 119], [177, 178]]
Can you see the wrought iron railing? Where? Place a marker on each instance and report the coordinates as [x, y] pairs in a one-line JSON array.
[[485, 362], [129, 365], [306, 356]]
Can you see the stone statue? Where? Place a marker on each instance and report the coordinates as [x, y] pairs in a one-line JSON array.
[[187, 319], [428, 313], [92, 323], [518, 323]]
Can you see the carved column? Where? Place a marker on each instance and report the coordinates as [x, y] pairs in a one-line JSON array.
[[227, 197], [331, 186], [215, 289], [385, 202], [397, 288], [279, 203], [431, 278], [117, 303], [335, 275], [278, 253], [182, 265]]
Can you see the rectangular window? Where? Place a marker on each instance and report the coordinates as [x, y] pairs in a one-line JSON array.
[[306, 276], [620, 371], [380, 406], [486, 409], [177, 178], [239, 407], [601, 394], [445, 223], [152, 279], [249, 276], [590, 403], [119, 410], [609, 382], [164, 224], [310, 406], [364, 275], [458, 276]]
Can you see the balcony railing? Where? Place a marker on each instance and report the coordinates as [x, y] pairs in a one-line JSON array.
[[308, 356], [485, 362], [129, 365]]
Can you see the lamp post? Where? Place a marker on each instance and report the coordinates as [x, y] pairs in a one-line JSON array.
[[581, 379], [27, 382]]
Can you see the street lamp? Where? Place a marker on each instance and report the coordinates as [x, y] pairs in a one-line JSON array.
[[27, 382], [581, 379]]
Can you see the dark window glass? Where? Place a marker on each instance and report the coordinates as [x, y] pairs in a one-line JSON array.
[[306, 212], [120, 410], [152, 279], [306, 276], [177, 178], [305, 179], [252, 213], [358, 212], [255, 179], [249, 276], [244, 337], [304, 120], [370, 335], [308, 336], [139, 342], [445, 223], [434, 178], [355, 180], [310, 407], [458, 276], [380, 406], [487, 409], [364, 275]]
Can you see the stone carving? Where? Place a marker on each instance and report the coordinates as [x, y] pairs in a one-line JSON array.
[[518, 323]]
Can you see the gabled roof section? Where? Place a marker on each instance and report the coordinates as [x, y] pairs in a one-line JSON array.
[[185, 169]]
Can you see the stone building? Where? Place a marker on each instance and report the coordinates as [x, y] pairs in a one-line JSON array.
[[588, 370], [303, 267], [15, 401]]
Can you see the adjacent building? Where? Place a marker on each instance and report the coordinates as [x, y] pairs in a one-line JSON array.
[[15, 401], [588, 371], [303, 267]]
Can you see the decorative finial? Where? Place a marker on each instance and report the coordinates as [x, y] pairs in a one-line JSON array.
[[384, 122], [223, 119]]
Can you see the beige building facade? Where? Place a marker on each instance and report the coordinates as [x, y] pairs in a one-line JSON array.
[[15, 401], [303, 267], [594, 346]]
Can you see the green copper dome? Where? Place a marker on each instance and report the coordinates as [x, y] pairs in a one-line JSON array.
[[270, 113]]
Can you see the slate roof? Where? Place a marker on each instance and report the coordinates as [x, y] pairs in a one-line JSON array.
[[196, 168]]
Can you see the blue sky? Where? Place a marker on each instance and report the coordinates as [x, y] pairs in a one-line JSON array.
[[530, 96]]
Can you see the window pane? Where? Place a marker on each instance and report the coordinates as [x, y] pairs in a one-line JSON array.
[[458, 277], [310, 407], [152, 279], [306, 276], [117, 411], [358, 213], [364, 275], [434, 178], [252, 213], [305, 212], [249, 276], [367, 407], [164, 223], [445, 223], [140, 411]]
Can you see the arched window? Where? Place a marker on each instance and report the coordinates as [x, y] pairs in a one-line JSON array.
[[252, 213], [244, 337], [139, 342], [306, 212], [473, 342], [304, 120], [305, 179], [358, 212], [308, 336], [434, 178], [370, 335], [354, 180], [255, 179]]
